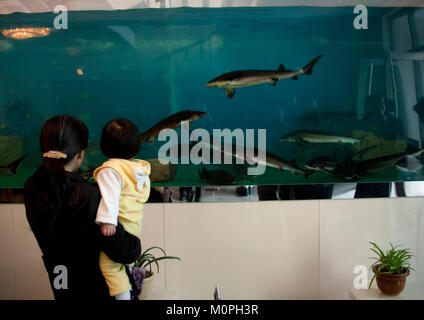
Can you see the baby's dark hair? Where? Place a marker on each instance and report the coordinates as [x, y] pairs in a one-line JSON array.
[[120, 139]]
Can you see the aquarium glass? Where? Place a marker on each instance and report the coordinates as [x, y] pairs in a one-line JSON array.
[[355, 118]]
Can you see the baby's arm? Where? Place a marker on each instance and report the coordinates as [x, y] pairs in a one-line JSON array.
[[109, 182]]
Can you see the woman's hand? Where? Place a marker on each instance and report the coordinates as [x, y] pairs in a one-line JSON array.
[[108, 229]]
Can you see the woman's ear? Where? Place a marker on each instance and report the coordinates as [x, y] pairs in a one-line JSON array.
[[81, 154]]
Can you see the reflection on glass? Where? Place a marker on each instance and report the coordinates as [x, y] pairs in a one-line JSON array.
[[419, 26], [25, 33]]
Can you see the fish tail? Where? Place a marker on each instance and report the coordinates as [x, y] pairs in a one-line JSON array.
[[15, 164], [308, 68]]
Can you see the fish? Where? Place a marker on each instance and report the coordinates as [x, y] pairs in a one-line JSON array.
[[271, 160], [245, 78], [217, 177], [314, 136], [351, 169], [12, 168], [276, 162], [323, 163], [331, 165], [385, 162], [171, 122]]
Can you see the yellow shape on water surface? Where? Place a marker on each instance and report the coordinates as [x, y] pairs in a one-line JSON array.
[[383, 147]]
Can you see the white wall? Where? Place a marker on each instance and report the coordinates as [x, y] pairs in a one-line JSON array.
[[252, 250]]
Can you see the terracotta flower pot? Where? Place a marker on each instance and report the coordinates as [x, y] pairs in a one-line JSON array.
[[390, 284]]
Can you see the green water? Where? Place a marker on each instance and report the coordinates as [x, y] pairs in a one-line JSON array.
[[145, 65]]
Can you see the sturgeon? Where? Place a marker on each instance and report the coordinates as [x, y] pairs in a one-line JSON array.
[[314, 136], [171, 122], [271, 160], [245, 78]]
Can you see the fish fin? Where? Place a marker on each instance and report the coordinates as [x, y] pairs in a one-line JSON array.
[[12, 168], [230, 92], [274, 81], [308, 68], [281, 68], [294, 78]]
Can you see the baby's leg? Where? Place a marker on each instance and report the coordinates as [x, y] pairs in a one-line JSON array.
[[123, 296], [116, 277]]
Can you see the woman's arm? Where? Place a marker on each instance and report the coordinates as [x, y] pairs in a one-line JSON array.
[[122, 247]]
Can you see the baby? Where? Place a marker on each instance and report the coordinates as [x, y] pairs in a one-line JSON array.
[[125, 186]]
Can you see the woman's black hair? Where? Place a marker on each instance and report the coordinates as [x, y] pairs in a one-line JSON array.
[[70, 136], [120, 139]]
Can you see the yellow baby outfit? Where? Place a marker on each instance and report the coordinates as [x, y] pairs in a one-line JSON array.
[[135, 191]]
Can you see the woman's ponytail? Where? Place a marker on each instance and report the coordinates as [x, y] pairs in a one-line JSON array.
[[67, 136]]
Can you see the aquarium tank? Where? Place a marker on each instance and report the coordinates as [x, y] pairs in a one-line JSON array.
[[340, 96]]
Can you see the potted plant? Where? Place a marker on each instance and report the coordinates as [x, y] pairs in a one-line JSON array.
[[391, 268], [142, 270]]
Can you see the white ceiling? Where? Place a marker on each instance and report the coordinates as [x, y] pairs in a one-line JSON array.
[[10, 6]]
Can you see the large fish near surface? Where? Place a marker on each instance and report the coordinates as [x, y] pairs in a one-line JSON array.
[[245, 78], [12, 167], [171, 122], [313, 136]]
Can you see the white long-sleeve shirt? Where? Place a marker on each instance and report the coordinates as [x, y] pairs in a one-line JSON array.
[[110, 183]]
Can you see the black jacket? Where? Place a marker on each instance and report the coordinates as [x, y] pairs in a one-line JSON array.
[[73, 239]]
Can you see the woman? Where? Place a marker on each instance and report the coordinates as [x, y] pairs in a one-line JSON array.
[[61, 210]]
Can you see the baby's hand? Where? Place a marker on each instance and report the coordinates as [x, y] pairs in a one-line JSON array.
[[108, 229]]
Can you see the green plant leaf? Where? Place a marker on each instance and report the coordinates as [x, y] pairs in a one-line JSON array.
[[147, 259], [151, 248], [394, 260]]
